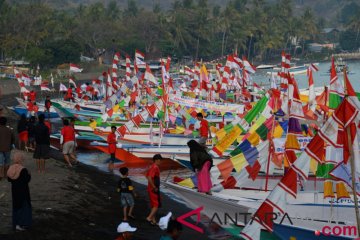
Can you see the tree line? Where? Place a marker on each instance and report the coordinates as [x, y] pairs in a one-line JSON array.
[[257, 29]]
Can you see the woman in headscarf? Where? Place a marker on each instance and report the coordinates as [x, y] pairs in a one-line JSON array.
[[201, 161], [19, 178]]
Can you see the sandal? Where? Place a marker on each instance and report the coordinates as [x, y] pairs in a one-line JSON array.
[[151, 222]]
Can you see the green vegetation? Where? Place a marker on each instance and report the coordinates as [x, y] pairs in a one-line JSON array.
[[258, 29]]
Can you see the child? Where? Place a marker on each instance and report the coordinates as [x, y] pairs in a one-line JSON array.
[[111, 140], [126, 193]]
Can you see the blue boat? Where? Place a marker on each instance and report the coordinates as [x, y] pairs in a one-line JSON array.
[[22, 110]]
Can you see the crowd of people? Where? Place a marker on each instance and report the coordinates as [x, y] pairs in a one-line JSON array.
[[33, 132]]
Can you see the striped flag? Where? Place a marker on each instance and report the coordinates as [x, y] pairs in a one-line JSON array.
[[149, 76], [75, 68]]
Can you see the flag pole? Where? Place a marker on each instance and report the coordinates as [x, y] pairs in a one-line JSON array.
[[270, 147], [352, 164]]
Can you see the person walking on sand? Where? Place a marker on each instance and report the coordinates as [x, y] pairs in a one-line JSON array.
[[67, 141], [19, 178], [201, 162], [125, 188], [42, 140], [111, 140], [48, 105], [153, 177], [7, 140], [23, 134], [126, 231]]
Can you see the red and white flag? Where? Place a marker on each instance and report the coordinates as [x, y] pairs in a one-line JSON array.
[[149, 76], [72, 82], [62, 88], [139, 58], [75, 68], [248, 66], [44, 87]]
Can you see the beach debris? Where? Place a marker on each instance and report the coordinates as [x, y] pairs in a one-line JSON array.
[[76, 186]]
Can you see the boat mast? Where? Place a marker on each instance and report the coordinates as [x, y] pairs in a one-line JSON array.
[[270, 146]]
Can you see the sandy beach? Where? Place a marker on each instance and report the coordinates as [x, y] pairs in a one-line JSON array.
[[78, 203]]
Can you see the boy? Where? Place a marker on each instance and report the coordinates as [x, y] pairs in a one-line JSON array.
[[153, 177], [125, 189], [111, 140], [204, 129]]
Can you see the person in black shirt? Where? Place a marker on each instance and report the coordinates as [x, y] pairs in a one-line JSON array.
[[42, 139], [125, 189], [31, 129]]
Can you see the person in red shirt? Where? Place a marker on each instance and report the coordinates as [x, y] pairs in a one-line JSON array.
[[204, 129], [32, 95], [67, 141], [47, 104], [153, 188], [69, 95], [111, 140]]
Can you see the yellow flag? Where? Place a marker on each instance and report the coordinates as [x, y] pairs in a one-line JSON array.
[[187, 183], [116, 108], [93, 125]]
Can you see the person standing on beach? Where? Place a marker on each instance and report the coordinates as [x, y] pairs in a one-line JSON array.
[[67, 141], [48, 105], [31, 126], [204, 129], [19, 178], [126, 190], [23, 134], [201, 161], [153, 177], [7, 140], [111, 140], [42, 140]]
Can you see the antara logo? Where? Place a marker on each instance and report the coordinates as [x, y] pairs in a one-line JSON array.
[[233, 218]]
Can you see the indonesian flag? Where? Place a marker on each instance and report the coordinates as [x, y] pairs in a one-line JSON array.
[[248, 66], [20, 81], [62, 88], [75, 68], [72, 82], [149, 76], [232, 63], [312, 67], [139, 58], [44, 87]]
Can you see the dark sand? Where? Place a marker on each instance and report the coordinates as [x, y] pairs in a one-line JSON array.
[[79, 203]]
